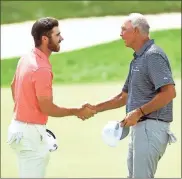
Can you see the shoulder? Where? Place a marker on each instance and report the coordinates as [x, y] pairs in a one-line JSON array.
[[34, 62], [42, 74], [43, 71], [155, 53]]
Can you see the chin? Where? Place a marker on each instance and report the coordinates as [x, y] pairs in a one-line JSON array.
[[127, 45], [56, 50]]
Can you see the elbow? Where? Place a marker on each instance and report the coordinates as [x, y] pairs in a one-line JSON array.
[[122, 101], [45, 105], [171, 94], [44, 110], [169, 91], [174, 94]]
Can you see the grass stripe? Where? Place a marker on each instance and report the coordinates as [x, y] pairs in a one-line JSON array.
[[101, 63]]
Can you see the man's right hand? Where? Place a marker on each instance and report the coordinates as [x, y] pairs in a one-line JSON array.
[[85, 112], [93, 107]]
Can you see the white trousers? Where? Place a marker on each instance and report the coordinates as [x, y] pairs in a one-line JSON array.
[[30, 145]]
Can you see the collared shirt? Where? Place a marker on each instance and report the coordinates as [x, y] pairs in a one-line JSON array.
[[33, 78], [149, 70]]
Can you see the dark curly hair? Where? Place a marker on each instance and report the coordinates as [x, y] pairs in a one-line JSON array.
[[43, 27]]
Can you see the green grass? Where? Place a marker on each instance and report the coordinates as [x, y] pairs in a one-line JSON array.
[[81, 151], [102, 63], [18, 11]]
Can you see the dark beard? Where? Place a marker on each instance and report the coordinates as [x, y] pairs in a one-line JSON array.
[[52, 46]]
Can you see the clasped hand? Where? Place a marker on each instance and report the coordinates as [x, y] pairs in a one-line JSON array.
[[86, 111]]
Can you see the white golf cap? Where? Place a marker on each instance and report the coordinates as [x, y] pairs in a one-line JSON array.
[[112, 133], [51, 140]]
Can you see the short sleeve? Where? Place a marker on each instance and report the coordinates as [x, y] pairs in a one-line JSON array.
[[42, 79], [126, 84], [159, 70], [125, 87]]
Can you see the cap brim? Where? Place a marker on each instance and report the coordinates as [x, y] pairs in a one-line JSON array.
[[125, 132]]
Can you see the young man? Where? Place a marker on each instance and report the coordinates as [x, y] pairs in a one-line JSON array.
[[147, 93], [33, 101]]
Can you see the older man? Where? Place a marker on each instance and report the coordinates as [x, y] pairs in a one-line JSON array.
[[33, 101], [147, 93]]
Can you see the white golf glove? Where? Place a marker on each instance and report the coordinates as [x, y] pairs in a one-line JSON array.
[[15, 134]]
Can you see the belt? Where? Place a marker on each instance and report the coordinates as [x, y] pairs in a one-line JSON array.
[[144, 118]]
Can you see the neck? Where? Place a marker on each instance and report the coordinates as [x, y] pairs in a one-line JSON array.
[[139, 44], [45, 50]]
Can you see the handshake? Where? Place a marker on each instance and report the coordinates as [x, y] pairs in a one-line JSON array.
[[86, 111]]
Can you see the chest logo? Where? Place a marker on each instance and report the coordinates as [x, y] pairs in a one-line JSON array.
[[136, 69]]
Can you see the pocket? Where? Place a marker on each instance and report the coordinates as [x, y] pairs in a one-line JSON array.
[[31, 139], [32, 135], [157, 137]]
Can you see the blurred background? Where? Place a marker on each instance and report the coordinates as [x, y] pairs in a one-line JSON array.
[[91, 67], [19, 11]]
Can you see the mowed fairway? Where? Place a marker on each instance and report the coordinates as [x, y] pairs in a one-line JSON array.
[[82, 152]]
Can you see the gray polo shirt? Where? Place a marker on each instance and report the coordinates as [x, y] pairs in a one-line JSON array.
[[149, 70]]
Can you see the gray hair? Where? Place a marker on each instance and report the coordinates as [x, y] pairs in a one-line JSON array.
[[138, 20]]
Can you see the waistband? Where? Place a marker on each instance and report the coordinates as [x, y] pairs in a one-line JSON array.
[[144, 118], [31, 124], [20, 126]]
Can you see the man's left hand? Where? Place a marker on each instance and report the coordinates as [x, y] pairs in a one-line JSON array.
[[132, 118]]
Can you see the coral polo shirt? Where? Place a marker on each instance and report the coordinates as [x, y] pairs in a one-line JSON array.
[[33, 78]]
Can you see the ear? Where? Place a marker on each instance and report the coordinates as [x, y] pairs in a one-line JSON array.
[[44, 38], [136, 30]]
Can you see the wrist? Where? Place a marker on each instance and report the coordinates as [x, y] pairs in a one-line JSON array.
[[143, 113], [139, 112], [73, 111], [97, 108]]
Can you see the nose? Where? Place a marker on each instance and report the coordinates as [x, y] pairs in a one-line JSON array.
[[121, 34], [61, 38]]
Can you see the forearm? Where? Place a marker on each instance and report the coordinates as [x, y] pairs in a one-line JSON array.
[[159, 101], [56, 111], [114, 103]]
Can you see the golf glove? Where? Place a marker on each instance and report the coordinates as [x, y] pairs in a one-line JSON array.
[[15, 134]]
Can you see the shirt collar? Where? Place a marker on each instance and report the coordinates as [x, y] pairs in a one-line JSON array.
[[144, 48], [40, 53]]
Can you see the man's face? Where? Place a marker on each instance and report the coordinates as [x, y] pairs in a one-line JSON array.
[[54, 40], [128, 33]]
